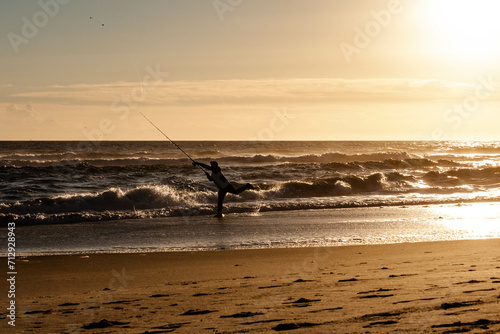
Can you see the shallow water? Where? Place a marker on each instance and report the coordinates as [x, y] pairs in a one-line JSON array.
[[307, 228]]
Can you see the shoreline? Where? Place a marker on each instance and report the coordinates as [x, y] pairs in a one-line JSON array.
[[283, 229], [377, 288], [238, 211], [145, 252]]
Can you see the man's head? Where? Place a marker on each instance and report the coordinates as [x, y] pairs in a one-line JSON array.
[[214, 164]]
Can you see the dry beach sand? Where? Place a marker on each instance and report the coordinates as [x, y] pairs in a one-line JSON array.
[[451, 286]]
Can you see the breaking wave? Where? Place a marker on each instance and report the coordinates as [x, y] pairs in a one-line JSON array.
[[377, 189], [59, 183]]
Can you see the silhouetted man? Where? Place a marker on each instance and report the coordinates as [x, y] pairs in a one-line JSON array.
[[222, 183]]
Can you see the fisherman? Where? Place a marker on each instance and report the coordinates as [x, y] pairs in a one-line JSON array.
[[222, 183], [217, 177]]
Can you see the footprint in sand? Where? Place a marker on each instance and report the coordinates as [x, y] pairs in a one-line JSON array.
[[104, 324], [171, 327], [302, 302], [290, 326], [197, 312], [446, 306], [242, 315], [349, 280], [468, 326], [479, 290], [69, 304], [39, 312], [376, 296], [381, 323]]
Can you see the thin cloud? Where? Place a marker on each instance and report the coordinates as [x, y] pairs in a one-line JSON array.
[[21, 120], [226, 92], [22, 111]]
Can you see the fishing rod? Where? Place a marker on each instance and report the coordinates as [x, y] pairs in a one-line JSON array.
[[187, 155]]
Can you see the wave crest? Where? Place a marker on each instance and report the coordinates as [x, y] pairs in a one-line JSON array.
[[115, 199]]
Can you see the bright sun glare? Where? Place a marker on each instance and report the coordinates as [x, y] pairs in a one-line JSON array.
[[480, 219], [465, 28]]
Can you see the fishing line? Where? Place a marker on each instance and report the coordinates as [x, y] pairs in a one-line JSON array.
[[174, 143]]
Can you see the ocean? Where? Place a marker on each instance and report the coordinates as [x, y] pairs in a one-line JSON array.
[[63, 186]]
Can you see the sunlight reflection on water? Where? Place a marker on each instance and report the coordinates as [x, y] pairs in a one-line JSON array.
[[478, 219]]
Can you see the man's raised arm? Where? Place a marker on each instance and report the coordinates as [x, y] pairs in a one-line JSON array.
[[196, 163]]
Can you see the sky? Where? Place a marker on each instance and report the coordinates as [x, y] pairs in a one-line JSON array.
[[250, 69]]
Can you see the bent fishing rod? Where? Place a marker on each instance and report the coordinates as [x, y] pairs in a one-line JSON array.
[[174, 143]]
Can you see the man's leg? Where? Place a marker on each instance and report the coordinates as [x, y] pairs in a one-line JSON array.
[[220, 199], [242, 189]]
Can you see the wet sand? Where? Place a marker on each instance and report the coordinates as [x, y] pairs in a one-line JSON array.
[[450, 286]]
